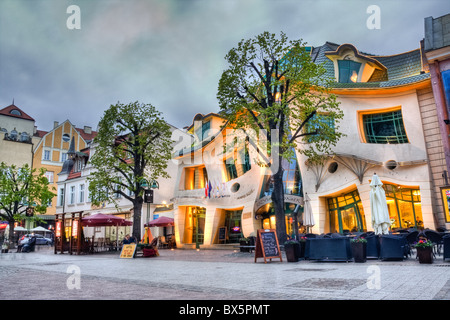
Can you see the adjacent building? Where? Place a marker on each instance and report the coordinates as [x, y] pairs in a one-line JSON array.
[[18, 136], [73, 194], [437, 53]]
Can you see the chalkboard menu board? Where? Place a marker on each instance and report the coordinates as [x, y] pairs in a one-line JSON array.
[[222, 233], [267, 246]]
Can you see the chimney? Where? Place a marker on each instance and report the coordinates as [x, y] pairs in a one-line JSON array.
[[87, 130], [55, 124]]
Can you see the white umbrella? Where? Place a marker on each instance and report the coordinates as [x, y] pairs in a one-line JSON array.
[[40, 229], [378, 205], [20, 229], [308, 217]]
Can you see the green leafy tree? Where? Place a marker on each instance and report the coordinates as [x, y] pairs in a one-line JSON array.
[[274, 88], [133, 145], [20, 188]]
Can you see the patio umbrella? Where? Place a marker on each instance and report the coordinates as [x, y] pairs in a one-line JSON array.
[[41, 229], [104, 220], [19, 228], [308, 218], [378, 205], [6, 239], [161, 222]]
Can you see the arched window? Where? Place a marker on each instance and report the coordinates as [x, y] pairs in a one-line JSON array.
[[15, 112]]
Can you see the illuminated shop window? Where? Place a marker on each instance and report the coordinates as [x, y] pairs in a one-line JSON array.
[[384, 127], [404, 204], [195, 177], [346, 213]]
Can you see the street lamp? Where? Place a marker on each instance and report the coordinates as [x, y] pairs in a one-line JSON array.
[[148, 193]]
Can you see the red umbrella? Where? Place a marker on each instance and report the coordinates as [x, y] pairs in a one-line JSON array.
[[104, 220], [161, 222]]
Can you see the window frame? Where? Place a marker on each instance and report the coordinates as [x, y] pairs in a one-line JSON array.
[[44, 153], [362, 131], [81, 193]]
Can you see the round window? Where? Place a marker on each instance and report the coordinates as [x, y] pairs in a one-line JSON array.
[[333, 167], [391, 164], [235, 187], [66, 137]]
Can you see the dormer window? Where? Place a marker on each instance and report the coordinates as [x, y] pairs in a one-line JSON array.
[[351, 66], [348, 71]]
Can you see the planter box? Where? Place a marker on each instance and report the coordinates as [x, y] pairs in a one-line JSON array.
[[301, 250], [292, 251], [244, 243], [425, 255], [359, 251]]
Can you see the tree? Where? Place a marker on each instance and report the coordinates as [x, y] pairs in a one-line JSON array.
[[132, 146], [21, 188], [274, 88]]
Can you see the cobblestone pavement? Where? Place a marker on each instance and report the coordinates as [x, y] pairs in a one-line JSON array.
[[214, 275]]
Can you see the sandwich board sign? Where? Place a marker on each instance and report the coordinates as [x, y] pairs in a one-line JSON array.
[[267, 245], [128, 251]]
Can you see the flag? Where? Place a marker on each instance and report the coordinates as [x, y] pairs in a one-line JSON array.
[[209, 189], [206, 189]]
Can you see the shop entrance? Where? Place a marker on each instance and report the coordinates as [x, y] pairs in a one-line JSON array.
[[233, 225], [348, 219], [194, 228]]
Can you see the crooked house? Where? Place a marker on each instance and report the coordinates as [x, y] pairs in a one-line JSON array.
[[390, 127]]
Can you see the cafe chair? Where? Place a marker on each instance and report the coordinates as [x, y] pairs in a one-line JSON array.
[[162, 242], [393, 247], [436, 238], [446, 244], [411, 239]]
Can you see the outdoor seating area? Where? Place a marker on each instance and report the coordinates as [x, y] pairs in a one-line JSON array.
[[91, 245], [395, 246]]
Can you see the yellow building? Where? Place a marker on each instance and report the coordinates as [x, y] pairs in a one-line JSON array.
[[51, 152]]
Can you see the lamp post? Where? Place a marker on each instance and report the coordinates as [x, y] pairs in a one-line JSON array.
[[148, 194]]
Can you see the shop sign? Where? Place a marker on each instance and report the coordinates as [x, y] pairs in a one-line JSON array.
[[58, 229], [445, 195], [75, 228], [287, 198]]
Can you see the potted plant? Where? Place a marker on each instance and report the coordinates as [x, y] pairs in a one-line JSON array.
[[424, 249], [291, 247], [359, 246], [244, 243]]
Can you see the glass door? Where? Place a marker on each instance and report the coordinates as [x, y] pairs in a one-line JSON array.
[[198, 234], [346, 219]]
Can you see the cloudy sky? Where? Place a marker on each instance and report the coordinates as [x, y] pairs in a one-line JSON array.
[[169, 53]]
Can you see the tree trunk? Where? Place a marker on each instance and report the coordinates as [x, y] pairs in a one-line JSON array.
[[278, 203], [137, 212]]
